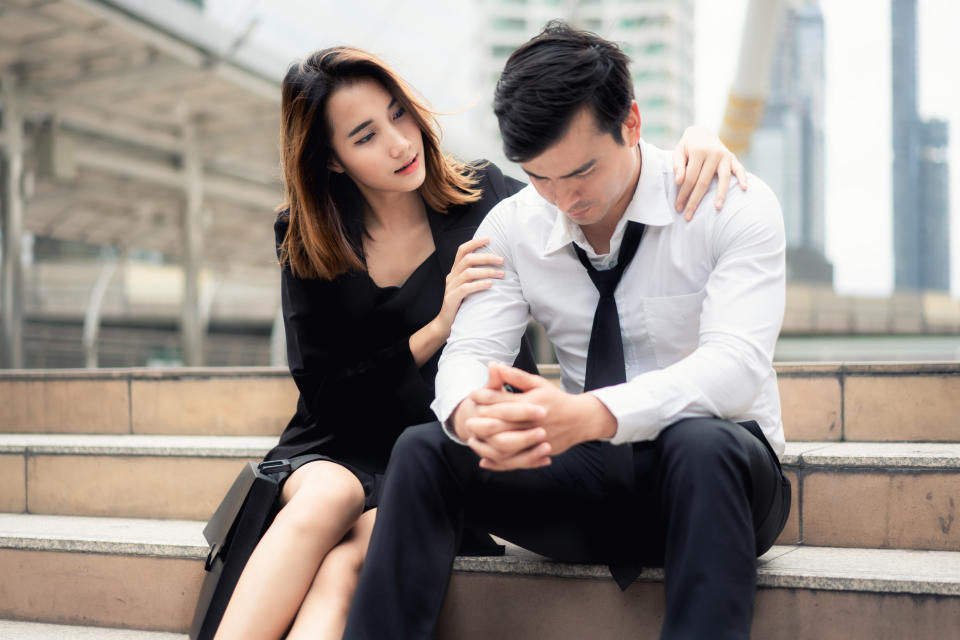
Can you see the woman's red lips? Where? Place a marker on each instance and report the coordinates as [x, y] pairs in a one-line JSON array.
[[409, 167]]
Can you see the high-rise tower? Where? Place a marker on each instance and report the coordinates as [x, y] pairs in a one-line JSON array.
[[787, 149], [921, 227], [656, 34]]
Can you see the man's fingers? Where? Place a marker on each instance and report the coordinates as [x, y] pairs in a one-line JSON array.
[[486, 427], [536, 456], [507, 444], [495, 381], [499, 452], [520, 378], [494, 395], [483, 427], [512, 411], [723, 182]]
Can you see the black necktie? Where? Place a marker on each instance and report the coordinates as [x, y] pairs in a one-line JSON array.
[[605, 364], [606, 367]]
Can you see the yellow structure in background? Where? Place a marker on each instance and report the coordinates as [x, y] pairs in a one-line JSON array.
[[748, 94]]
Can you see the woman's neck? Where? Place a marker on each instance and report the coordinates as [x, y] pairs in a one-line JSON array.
[[393, 212]]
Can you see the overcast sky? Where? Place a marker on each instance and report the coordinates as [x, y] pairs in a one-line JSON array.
[[431, 44]]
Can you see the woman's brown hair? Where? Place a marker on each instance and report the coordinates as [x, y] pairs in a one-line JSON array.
[[324, 205]]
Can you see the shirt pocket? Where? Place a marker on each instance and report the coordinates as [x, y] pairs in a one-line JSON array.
[[673, 325]]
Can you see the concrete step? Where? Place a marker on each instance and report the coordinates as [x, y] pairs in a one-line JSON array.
[[884, 495], [17, 630], [136, 476], [804, 593], [918, 402], [888, 495], [145, 574], [245, 401]]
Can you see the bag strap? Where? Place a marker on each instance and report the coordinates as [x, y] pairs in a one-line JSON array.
[[284, 467]]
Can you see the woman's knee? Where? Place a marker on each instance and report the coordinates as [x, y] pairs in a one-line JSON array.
[[336, 580], [326, 496], [346, 559]]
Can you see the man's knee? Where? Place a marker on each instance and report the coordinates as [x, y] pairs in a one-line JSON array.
[[702, 442], [419, 438]]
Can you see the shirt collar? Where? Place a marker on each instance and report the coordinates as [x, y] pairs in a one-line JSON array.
[[650, 205]]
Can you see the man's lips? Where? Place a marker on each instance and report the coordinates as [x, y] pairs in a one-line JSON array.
[[409, 167]]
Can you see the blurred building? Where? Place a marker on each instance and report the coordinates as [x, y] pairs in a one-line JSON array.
[[921, 227], [656, 34], [787, 149]]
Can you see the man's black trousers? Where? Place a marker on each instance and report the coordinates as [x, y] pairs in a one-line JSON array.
[[709, 497]]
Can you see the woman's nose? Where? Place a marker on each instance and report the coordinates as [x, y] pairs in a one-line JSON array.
[[399, 144]]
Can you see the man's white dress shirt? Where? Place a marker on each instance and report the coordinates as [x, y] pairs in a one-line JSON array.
[[700, 305]]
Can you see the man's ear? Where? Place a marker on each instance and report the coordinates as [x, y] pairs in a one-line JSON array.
[[334, 165], [630, 129]]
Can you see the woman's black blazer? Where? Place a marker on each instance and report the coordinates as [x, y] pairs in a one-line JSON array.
[[359, 385]]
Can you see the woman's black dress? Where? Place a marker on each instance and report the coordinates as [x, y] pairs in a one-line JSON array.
[[349, 354]]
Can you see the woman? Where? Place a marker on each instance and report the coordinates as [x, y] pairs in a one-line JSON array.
[[376, 253]]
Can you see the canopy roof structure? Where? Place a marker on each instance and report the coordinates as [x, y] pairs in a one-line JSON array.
[[123, 104], [138, 124]]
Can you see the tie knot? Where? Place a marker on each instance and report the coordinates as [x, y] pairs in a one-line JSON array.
[[606, 281]]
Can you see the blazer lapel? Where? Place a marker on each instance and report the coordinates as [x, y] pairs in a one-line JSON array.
[[448, 235]]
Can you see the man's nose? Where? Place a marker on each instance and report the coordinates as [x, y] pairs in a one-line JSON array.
[[566, 195]]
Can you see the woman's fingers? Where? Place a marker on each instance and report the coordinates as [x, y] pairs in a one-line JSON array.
[[475, 260], [679, 162], [741, 173], [694, 167], [700, 188], [475, 273], [469, 247], [723, 182], [465, 289]]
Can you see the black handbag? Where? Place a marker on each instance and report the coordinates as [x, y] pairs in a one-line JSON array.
[[233, 532]]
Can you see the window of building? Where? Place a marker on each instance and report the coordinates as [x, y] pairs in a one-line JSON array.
[[508, 24]]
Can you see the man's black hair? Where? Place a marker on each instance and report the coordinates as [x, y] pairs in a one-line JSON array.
[[550, 78]]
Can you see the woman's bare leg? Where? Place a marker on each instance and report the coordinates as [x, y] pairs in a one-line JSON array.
[[323, 614], [322, 501]]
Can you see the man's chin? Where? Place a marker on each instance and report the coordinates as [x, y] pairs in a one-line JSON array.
[[583, 217]]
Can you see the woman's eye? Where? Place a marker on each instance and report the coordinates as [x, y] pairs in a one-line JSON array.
[[365, 138], [399, 112]]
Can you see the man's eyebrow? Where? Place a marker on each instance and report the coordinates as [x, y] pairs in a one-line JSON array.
[[579, 169], [366, 123]]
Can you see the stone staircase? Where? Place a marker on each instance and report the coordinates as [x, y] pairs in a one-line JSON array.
[[107, 477]]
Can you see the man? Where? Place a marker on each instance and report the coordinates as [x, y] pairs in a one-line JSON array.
[[670, 458]]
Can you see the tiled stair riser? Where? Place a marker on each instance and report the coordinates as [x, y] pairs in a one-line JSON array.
[[821, 402]]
